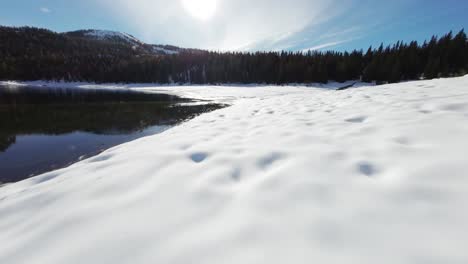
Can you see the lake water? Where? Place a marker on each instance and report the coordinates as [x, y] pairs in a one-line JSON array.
[[43, 129]]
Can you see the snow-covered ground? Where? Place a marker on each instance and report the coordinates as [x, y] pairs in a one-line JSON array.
[[283, 175]]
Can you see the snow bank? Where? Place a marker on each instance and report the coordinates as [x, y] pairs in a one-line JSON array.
[[284, 175], [85, 85]]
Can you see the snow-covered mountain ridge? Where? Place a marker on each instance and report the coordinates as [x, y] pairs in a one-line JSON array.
[[106, 34], [124, 38], [283, 175]]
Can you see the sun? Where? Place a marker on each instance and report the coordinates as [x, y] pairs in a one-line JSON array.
[[200, 9]]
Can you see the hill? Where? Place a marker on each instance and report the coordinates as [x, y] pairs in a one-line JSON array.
[[107, 56], [123, 39]]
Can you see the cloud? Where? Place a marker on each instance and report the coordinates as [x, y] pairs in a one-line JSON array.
[[45, 10], [237, 23], [325, 45], [252, 25]]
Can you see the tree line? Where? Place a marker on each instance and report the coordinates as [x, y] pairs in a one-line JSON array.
[[38, 54]]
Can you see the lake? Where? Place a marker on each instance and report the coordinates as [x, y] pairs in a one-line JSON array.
[[43, 129]]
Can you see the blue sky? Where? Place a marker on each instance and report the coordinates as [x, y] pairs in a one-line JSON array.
[[249, 24]]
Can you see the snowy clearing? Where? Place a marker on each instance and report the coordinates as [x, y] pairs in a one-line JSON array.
[[283, 175]]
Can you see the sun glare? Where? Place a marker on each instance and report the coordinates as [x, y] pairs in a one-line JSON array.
[[200, 9]]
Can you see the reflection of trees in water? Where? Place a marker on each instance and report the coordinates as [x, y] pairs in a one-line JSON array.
[[98, 118], [50, 95], [6, 141]]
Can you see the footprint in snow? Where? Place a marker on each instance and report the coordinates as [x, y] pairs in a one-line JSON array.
[[402, 141], [455, 107], [198, 157], [367, 169], [236, 174], [269, 160], [359, 119]]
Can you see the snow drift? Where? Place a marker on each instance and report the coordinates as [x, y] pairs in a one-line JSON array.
[[284, 175]]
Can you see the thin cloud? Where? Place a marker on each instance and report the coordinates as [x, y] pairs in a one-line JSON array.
[[253, 25], [45, 10], [325, 45], [236, 23]]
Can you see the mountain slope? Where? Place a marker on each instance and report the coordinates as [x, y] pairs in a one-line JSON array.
[[88, 55], [78, 41], [285, 175], [123, 39]]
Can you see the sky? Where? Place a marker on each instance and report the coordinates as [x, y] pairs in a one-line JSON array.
[[248, 25]]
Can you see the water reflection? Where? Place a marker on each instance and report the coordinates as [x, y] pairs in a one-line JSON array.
[[45, 129]]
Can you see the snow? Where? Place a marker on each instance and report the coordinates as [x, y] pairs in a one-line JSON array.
[[332, 85], [283, 175], [106, 34], [163, 50]]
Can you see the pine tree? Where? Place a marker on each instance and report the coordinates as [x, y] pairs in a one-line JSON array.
[[432, 68], [395, 75], [30, 54]]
